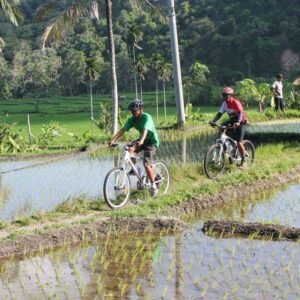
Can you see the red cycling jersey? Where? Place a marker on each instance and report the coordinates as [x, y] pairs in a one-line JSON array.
[[234, 109]]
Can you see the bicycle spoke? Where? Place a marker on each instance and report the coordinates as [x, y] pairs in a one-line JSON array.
[[116, 188]]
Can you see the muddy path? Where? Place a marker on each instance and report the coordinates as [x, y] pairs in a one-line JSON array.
[[71, 230], [228, 228]]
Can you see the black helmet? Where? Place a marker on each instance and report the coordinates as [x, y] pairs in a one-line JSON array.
[[135, 105]]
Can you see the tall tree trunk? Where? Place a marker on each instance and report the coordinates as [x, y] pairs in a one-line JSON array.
[[92, 108], [156, 91], [114, 86], [141, 88], [165, 102], [135, 80]]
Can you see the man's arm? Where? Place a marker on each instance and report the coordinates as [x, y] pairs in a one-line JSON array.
[[217, 117], [116, 136], [143, 137]]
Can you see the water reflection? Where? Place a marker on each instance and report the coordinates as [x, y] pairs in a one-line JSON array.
[[281, 207], [28, 186], [186, 266], [40, 185]]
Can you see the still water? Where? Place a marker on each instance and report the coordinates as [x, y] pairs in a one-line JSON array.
[[189, 265], [40, 185]]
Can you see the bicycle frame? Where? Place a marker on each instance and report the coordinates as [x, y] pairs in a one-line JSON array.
[[125, 160], [223, 140]]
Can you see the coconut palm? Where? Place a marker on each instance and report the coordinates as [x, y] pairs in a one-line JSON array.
[[156, 62], [134, 36], [164, 74], [58, 28], [141, 68], [92, 72]]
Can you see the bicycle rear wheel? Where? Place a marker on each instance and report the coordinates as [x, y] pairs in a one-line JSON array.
[[162, 176], [116, 188], [214, 161], [249, 152]]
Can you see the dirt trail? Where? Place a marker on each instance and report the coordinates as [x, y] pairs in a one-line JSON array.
[[230, 228], [61, 231]]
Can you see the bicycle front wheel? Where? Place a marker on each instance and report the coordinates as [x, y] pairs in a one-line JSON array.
[[214, 161], [162, 176], [116, 188], [249, 151]]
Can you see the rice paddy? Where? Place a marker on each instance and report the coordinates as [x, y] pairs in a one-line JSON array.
[[187, 265]]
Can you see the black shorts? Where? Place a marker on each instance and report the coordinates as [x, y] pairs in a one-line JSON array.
[[149, 151], [238, 133]]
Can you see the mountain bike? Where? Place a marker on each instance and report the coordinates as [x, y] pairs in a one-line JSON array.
[[225, 146], [118, 184]]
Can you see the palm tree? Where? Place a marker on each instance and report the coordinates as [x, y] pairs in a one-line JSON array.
[[164, 74], [67, 20], [196, 77], [141, 68], [134, 36], [156, 61], [92, 72]]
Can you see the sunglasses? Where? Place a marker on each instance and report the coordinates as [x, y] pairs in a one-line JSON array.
[[225, 95]]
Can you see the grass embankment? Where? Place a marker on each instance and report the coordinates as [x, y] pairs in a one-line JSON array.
[[188, 182]]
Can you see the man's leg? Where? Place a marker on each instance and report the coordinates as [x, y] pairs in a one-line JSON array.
[[133, 149], [281, 104], [276, 103], [148, 158]]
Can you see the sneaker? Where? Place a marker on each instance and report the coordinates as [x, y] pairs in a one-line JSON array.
[[153, 191], [243, 165]]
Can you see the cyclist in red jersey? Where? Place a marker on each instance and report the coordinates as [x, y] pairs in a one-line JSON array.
[[237, 117]]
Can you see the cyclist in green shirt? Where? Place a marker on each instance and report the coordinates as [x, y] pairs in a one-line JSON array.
[[148, 140]]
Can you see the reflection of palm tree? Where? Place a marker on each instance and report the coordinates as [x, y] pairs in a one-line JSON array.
[[178, 268]]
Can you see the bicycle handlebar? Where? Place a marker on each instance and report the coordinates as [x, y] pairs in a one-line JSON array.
[[213, 124], [121, 146]]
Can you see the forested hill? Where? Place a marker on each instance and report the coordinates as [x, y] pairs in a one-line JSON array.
[[234, 38]]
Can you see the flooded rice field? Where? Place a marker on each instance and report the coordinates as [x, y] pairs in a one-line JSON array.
[[189, 265], [40, 185]]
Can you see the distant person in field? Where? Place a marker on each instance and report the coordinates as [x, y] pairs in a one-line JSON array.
[[147, 142], [237, 118], [276, 89]]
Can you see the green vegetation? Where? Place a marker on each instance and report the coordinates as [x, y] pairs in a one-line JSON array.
[[187, 182], [64, 123], [233, 39]]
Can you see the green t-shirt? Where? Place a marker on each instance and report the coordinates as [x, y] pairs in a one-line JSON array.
[[143, 122]]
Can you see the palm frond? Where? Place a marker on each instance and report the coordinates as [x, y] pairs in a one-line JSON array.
[[154, 10], [44, 9], [2, 44], [11, 12], [94, 11], [63, 23]]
